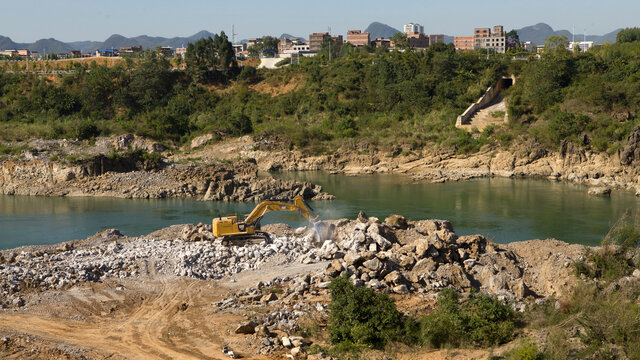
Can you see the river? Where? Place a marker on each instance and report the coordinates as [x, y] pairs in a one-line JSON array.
[[504, 210]]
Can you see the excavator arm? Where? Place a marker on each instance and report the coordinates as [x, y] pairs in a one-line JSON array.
[[267, 206]]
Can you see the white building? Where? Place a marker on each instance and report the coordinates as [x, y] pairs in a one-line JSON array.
[[412, 28], [495, 42], [582, 45]]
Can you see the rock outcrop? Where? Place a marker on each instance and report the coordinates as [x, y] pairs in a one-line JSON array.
[[237, 181]]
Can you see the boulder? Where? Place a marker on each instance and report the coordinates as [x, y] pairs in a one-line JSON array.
[[600, 191], [246, 328], [424, 266], [374, 264], [201, 140], [353, 258], [362, 217], [269, 297], [396, 222]]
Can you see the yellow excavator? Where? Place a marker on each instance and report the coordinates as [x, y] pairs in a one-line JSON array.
[[230, 227]]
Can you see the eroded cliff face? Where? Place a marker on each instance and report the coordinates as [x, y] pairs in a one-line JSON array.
[[221, 173], [526, 159], [238, 181]]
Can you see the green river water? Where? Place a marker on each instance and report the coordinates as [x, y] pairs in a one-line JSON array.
[[504, 210]]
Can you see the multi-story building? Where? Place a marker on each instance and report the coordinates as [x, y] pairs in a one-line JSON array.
[[253, 41], [131, 49], [106, 53], [582, 45], [181, 52], [380, 42], [413, 28], [24, 53], [483, 38], [358, 38], [436, 38], [464, 43], [289, 46], [9, 53], [479, 33], [316, 40], [166, 51], [495, 43], [418, 40]]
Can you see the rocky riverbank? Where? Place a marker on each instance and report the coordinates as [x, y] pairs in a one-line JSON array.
[[133, 167], [127, 167], [527, 158]]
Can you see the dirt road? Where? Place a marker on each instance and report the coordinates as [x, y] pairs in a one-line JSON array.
[[165, 319]]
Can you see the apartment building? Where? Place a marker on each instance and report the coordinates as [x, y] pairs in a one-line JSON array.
[[412, 28], [418, 40], [358, 38], [288, 46], [131, 49], [436, 38], [316, 40], [380, 42], [464, 43], [479, 33], [485, 38]]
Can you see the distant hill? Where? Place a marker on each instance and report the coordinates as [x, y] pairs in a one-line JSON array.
[[380, 30], [147, 42], [289, 36], [539, 32], [114, 41], [48, 45]]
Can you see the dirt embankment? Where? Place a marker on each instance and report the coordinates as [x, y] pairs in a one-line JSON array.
[[180, 293]]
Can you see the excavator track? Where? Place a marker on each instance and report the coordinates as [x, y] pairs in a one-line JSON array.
[[249, 239]]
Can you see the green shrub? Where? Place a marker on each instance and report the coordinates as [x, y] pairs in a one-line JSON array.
[[86, 130], [360, 316], [613, 260], [481, 320], [526, 350]]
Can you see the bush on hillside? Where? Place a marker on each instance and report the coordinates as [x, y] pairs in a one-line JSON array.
[[481, 320], [360, 316]]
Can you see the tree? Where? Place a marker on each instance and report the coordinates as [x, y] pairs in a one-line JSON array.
[[400, 40], [513, 40], [151, 82], [225, 55], [556, 44], [266, 43], [628, 35], [206, 55]]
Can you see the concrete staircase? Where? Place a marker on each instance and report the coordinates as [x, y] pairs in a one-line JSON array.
[[485, 116], [490, 109]]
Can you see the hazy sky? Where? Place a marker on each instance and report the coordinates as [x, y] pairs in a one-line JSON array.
[[73, 20]]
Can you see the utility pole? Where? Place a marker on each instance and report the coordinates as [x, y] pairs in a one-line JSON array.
[[233, 41], [330, 40]]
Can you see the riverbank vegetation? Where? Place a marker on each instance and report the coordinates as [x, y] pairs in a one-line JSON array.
[[362, 96]]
